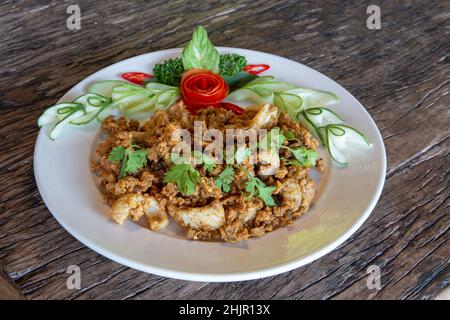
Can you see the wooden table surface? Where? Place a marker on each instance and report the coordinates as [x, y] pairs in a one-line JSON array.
[[399, 73]]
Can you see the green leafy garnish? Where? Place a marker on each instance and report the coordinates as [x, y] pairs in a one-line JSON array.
[[208, 163], [184, 176], [303, 157], [231, 63], [255, 187], [169, 72], [224, 179], [200, 52], [289, 135], [132, 160]]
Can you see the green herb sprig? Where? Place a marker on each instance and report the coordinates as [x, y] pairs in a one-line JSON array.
[[132, 160]]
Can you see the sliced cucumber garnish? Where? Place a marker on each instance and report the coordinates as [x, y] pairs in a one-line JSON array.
[[337, 136], [314, 98], [156, 88], [92, 101], [249, 95], [59, 126], [288, 103], [84, 119], [104, 88], [270, 85], [128, 101], [315, 118], [52, 115], [147, 105], [126, 90], [167, 98], [334, 152]]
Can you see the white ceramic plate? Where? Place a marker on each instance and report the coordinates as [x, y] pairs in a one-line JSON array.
[[343, 202]]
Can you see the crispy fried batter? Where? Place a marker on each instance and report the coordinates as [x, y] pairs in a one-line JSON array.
[[209, 213]]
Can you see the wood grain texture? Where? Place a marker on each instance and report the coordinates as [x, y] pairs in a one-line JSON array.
[[400, 74]]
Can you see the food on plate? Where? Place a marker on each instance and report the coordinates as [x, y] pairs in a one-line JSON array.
[[258, 186], [158, 170]]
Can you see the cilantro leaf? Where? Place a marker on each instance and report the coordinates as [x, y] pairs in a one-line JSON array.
[[225, 178], [255, 186], [208, 162], [117, 154], [132, 160], [304, 157], [184, 176], [290, 135], [135, 160]]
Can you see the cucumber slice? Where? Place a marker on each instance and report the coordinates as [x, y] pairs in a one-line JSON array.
[[125, 90], [85, 119], [104, 88], [148, 105], [322, 116], [128, 101], [314, 98], [166, 99], [51, 114], [106, 111], [263, 93], [62, 123], [91, 101], [270, 85], [302, 117], [156, 88], [262, 79], [353, 135], [334, 152], [337, 137], [249, 95], [289, 103]]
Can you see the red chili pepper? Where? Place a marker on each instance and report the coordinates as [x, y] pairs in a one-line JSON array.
[[256, 68], [137, 77], [230, 106]]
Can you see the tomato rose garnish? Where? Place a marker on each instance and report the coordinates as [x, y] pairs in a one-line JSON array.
[[202, 88]]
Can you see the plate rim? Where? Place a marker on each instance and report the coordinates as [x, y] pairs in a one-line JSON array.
[[257, 273]]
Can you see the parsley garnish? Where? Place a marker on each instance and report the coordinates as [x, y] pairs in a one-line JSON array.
[[208, 163], [132, 160], [255, 187], [303, 157], [185, 176], [290, 136], [225, 178]]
